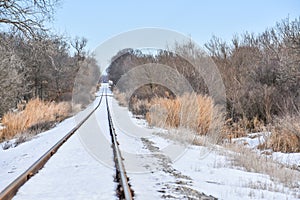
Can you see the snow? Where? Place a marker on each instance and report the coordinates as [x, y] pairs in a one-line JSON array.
[[70, 174], [290, 159], [14, 161], [254, 139], [83, 167], [214, 176]]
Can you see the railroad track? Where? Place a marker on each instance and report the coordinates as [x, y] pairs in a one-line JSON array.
[[123, 190]]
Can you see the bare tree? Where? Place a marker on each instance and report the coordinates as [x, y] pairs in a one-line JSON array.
[[79, 45], [10, 76], [26, 16]]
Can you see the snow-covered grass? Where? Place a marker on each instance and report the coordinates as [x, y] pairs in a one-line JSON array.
[[236, 171], [254, 140], [215, 175], [252, 161]]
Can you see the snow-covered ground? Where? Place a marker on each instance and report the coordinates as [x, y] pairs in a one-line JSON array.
[[254, 139], [158, 168], [212, 174], [14, 161], [72, 173]]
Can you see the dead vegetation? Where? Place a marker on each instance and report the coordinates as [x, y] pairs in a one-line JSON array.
[[37, 116], [191, 111], [194, 112], [253, 162], [121, 97], [285, 135], [198, 114], [260, 73]]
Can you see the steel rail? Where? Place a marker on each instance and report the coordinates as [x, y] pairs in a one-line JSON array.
[[125, 190], [10, 191]]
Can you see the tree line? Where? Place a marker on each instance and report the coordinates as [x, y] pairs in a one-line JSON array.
[[35, 63], [261, 72]]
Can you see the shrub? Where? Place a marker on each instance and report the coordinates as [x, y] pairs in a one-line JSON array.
[[139, 106]]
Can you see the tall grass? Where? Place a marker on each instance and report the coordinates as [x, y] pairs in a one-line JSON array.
[[285, 135], [253, 162], [121, 97], [35, 112], [192, 111], [199, 114]]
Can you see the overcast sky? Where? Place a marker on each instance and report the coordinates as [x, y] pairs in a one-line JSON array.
[[100, 20]]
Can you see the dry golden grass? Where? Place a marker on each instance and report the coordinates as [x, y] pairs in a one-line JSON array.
[[139, 107], [121, 97], [191, 111], [251, 161], [35, 112], [242, 127], [285, 135], [284, 142], [164, 112]]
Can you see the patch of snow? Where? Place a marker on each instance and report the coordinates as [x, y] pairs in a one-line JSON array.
[[14, 161], [253, 140], [71, 173], [214, 175], [290, 159]]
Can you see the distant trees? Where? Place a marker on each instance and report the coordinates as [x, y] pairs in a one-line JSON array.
[[127, 59]]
